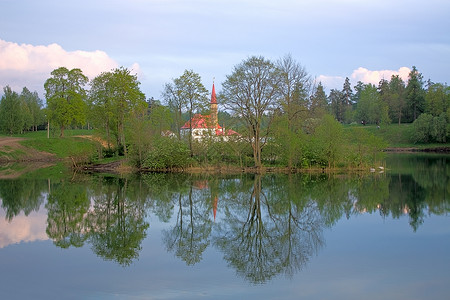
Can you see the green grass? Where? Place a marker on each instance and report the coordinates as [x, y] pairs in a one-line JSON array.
[[61, 147], [397, 136]]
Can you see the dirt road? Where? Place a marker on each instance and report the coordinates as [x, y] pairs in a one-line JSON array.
[[12, 151]]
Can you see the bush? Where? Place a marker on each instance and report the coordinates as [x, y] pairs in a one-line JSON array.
[[430, 129], [167, 153]]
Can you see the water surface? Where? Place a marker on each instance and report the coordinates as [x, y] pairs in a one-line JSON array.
[[382, 235]]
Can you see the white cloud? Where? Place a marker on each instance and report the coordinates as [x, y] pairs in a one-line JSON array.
[[374, 77], [331, 82], [364, 75], [23, 229], [29, 65]]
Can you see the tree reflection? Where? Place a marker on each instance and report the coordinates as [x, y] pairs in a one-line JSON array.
[[67, 206], [260, 243], [189, 237], [116, 223], [21, 195]]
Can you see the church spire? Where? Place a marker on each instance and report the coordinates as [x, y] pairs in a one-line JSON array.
[[213, 95], [214, 118]]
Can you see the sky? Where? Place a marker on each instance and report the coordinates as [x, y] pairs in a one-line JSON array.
[[364, 40]]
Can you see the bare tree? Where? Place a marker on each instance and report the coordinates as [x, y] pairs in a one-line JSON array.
[[251, 93]]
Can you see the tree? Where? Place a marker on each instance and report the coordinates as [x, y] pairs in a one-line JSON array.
[[250, 92], [436, 99], [65, 94], [347, 96], [101, 104], [318, 104], [34, 107], [11, 113], [116, 96], [397, 94], [371, 109], [294, 86], [188, 94], [415, 93], [329, 138], [337, 104], [128, 101]]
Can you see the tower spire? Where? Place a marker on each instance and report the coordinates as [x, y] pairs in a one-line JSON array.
[[214, 119]]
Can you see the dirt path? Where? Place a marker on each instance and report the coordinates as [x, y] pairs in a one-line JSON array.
[[12, 151]]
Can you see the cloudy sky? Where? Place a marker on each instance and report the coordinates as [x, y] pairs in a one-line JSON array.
[[158, 39]]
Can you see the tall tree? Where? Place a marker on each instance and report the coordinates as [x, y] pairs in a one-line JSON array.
[[251, 93], [336, 100], [189, 87], [117, 97], [128, 101], [397, 94], [11, 113], [34, 106], [371, 109], [318, 104], [294, 86], [437, 99], [65, 94], [415, 93], [101, 100], [347, 96]]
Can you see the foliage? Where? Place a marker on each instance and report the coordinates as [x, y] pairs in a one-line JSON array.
[[66, 95], [251, 93], [329, 140], [430, 129], [11, 117], [415, 93], [371, 109], [166, 153], [115, 97]]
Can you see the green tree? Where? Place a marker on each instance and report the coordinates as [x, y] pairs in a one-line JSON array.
[[34, 107], [347, 105], [337, 104], [318, 103], [128, 101], [329, 137], [370, 108], [437, 99], [116, 97], [101, 112], [251, 92], [294, 86], [66, 95], [398, 101], [415, 93], [189, 94], [11, 112]]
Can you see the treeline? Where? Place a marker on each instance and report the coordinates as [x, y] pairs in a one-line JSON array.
[[425, 104], [284, 118], [20, 112]]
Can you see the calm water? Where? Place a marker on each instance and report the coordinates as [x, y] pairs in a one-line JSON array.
[[161, 236]]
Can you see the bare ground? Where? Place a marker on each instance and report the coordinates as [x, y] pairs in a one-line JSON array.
[[16, 159]]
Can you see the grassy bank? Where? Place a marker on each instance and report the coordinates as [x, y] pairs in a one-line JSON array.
[[397, 136]]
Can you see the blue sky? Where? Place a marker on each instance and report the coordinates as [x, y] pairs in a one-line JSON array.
[[333, 39]]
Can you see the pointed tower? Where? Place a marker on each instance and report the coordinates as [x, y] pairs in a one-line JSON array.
[[214, 119]]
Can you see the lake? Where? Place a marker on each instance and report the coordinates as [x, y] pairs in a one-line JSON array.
[[379, 235]]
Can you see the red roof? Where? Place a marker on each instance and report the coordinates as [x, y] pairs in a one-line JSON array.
[[213, 96], [199, 121]]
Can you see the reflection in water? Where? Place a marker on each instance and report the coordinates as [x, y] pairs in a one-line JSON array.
[[264, 225], [261, 240]]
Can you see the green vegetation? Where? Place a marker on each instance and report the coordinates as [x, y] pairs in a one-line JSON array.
[[284, 118]]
